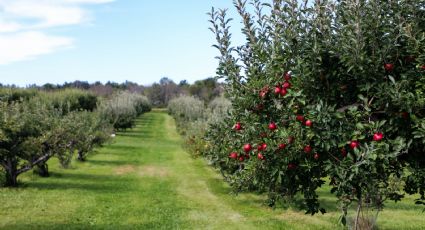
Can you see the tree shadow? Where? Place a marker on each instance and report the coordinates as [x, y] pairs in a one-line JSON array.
[[110, 162], [76, 181]]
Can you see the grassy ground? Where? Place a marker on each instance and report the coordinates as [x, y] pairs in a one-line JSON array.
[[144, 180]]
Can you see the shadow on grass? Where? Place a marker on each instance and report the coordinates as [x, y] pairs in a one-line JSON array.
[[110, 162], [76, 181], [88, 225], [137, 135]]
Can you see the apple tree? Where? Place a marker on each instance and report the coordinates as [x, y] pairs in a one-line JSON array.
[[323, 89]]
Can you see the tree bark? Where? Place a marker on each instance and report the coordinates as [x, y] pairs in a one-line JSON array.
[[43, 170], [81, 156], [11, 173]]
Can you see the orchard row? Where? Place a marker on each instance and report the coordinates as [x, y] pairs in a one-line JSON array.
[[36, 126]]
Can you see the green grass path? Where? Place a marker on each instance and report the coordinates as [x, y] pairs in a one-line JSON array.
[[145, 180]]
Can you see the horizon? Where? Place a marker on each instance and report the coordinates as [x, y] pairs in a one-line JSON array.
[[108, 40]]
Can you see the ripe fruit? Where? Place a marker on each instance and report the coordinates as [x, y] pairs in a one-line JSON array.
[[291, 166], [238, 126], [354, 144], [264, 91], [307, 149], [277, 90], [287, 76], [316, 156], [282, 146], [300, 118], [241, 158], [233, 155], [259, 107], [262, 147], [283, 92], [291, 140], [423, 67], [260, 156], [247, 147], [286, 85], [343, 152], [405, 115], [389, 67], [272, 126], [308, 123], [378, 136]]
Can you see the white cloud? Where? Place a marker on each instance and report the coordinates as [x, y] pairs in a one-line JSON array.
[[27, 45], [22, 25]]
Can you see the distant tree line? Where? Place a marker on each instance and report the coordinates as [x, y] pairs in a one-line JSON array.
[[159, 93]]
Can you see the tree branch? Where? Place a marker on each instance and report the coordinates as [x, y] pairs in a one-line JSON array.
[[29, 166]]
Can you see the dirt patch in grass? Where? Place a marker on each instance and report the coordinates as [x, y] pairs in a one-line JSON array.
[[125, 169], [153, 171]]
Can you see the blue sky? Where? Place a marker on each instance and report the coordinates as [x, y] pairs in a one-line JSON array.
[[99, 40]]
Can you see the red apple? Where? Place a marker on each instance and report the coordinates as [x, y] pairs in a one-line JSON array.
[[277, 90], [423, 67], [378, 136], [300, 118], [410, 59], [354, 144], [247, 147], [262, 147], [260, 156], [264, 91], [238, 126], [405, 115], [307, 149], [233, 155], [316, 156], [286, 85], [241, 158], [343, 152], [282, 146], [291, 140], [260, 107], [287, 76], [272, 126], [308, 123], [389, 67], [292, 166], [283, 92]]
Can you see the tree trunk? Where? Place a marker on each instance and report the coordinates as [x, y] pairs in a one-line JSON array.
[[81, 156], [43, 170], [11, 173]]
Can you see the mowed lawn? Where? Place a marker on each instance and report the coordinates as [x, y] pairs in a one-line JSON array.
[[144, 180]]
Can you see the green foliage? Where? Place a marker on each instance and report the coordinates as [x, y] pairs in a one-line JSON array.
[[353, 69], [122, 110], [47, 125], [15, 94], [70, 100], [193, 118]]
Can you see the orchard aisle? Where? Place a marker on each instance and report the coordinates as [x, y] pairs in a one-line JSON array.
[[143, 180]]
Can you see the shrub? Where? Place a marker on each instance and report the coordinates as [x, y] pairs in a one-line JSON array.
[[122, 110], [193, 118], [333, 89], [16, 94], [185, 109], [70, 100]]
